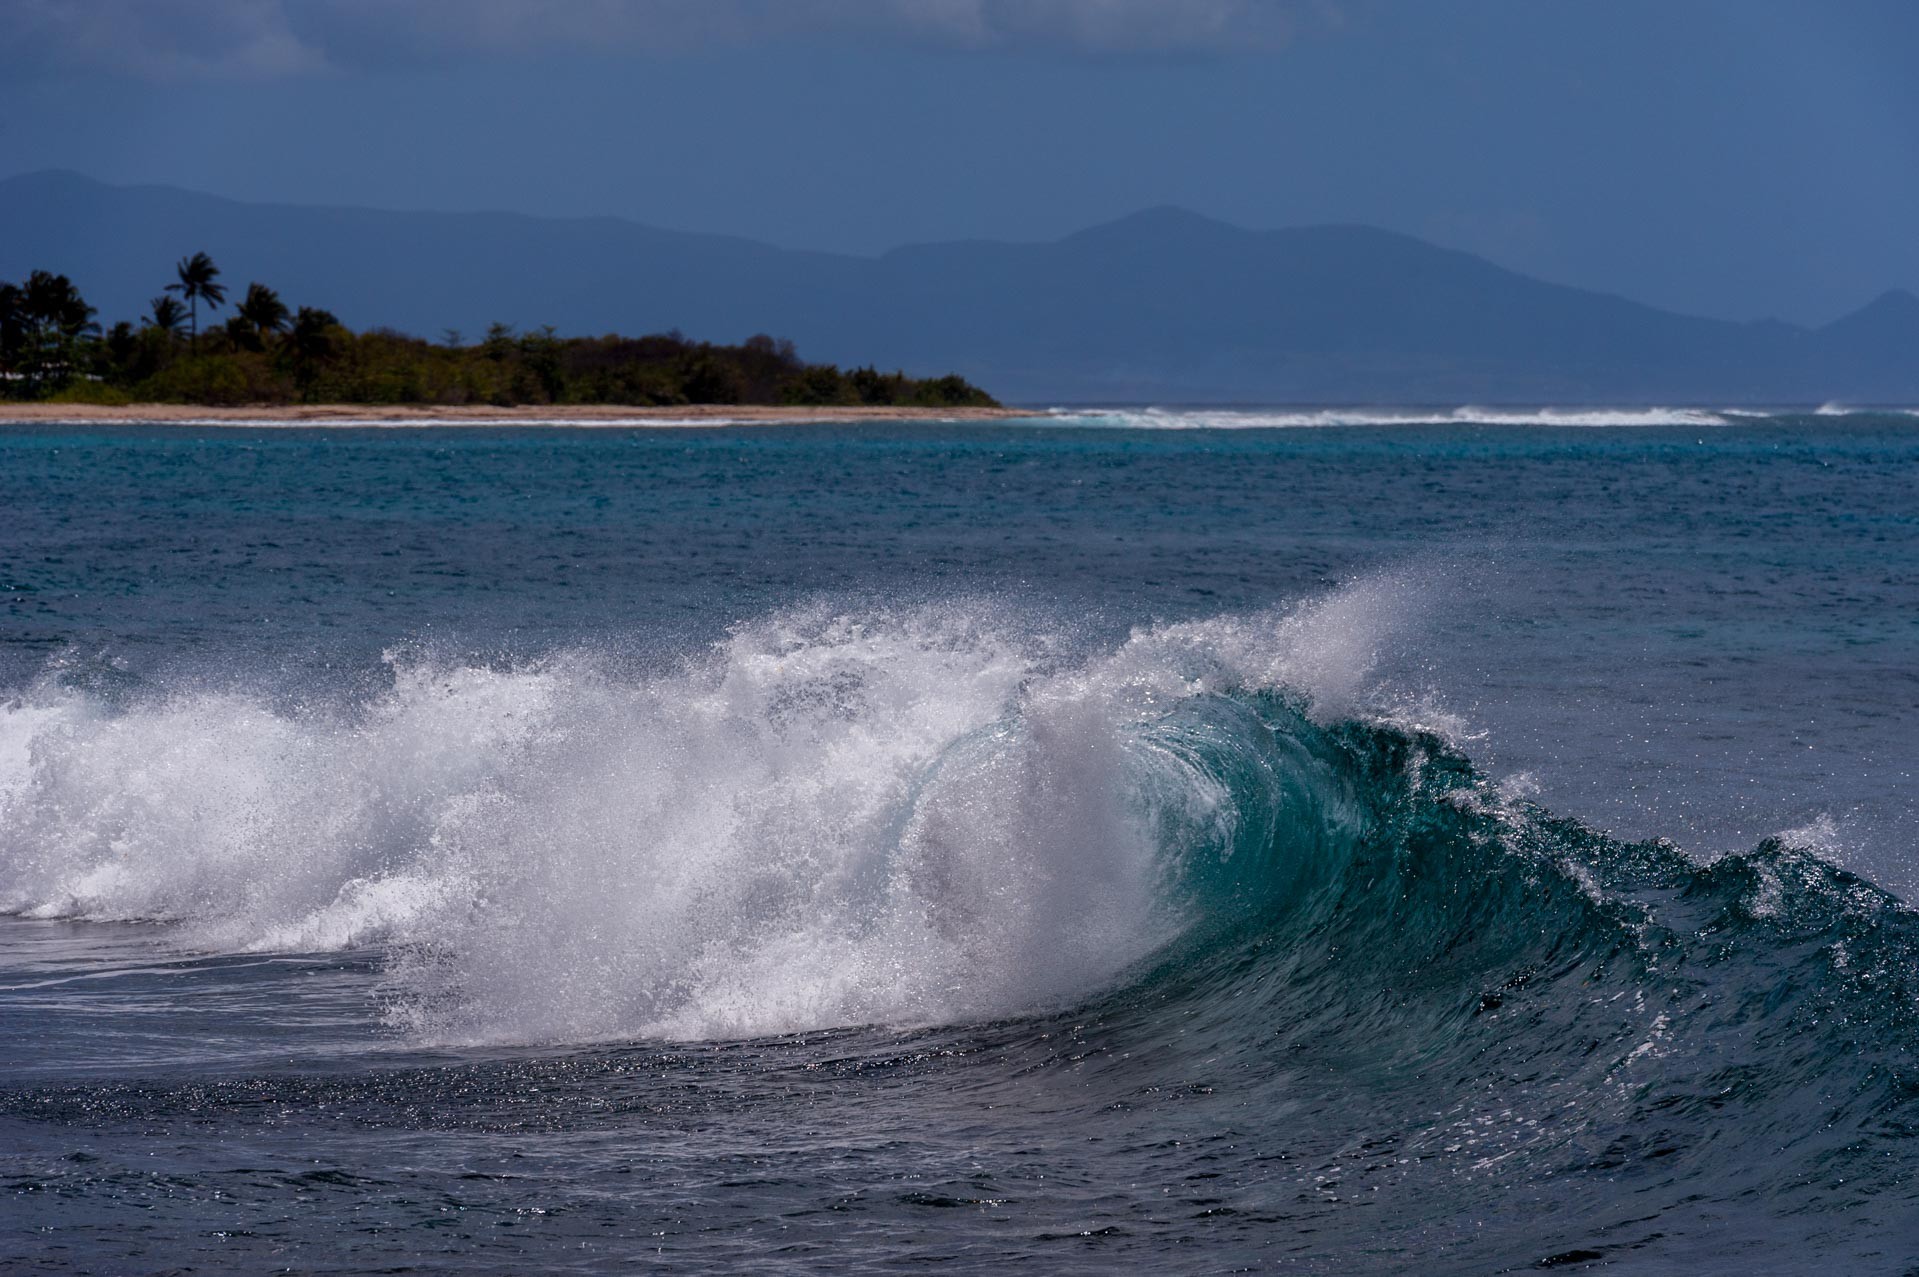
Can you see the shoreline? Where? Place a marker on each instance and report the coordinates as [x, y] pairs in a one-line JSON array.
[[352, 415]]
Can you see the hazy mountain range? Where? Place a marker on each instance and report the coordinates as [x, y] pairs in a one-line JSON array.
[[1164, 305]]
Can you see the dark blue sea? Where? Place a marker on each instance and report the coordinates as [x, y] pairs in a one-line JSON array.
[[1169, 842]]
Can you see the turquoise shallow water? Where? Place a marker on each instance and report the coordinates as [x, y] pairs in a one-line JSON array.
[[1187, 842]]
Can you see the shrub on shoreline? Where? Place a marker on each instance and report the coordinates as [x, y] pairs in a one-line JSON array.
[[51, 349]]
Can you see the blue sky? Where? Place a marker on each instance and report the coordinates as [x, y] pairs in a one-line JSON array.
[[1740, 158]]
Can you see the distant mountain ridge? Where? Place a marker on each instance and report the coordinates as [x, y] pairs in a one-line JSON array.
[[1163, 305]]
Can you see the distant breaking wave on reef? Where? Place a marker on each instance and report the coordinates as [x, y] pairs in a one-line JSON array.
[[1196, 418], [1139, 417]]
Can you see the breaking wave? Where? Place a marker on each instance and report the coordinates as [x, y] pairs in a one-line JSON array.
[[937, 817], [1162, 418], [826, 819]]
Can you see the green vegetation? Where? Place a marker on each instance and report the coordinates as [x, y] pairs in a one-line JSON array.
[[51, 349]]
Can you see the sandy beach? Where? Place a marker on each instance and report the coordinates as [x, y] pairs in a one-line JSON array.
[[691, 415]]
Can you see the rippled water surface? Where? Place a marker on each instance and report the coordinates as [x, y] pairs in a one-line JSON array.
[[1135, 840]]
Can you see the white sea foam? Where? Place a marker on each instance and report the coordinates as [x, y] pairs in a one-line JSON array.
[[1851, 410], [826, 819], [1821, 835], [1268, 419]]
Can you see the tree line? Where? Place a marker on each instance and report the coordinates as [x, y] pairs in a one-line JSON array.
[[52, 348]]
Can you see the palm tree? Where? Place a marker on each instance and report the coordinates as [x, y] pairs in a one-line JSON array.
[[263, 311], [312, 332], [53, 306], [197, 275], [166, 314]]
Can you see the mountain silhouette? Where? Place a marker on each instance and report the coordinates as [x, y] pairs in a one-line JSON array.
[[1164, 305]]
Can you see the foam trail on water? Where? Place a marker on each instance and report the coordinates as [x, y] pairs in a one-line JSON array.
[[899, 817], [1270, 419]]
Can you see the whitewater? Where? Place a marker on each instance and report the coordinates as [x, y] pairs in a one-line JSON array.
[[827, 820], [1463, 844], [1546, 416]]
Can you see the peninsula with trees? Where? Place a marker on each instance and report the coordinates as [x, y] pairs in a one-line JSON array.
[[267, 353]]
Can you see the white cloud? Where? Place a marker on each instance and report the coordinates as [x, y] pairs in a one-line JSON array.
[[157, 39], [190, 38], [1107, 26]]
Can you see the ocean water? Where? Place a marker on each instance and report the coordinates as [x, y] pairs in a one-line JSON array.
[[1164, 841]]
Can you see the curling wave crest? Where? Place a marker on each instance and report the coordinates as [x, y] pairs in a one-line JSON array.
[[897, 817]]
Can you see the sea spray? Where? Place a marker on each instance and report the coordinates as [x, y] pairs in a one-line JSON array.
[[904, 817], [1194, 910]]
